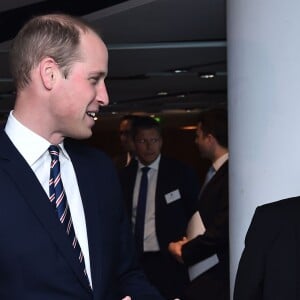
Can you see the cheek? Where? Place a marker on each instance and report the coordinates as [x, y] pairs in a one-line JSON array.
[[79, 88], [84, 93], [140, 149], [199, 144]]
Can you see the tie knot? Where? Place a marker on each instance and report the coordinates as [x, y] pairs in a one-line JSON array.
[[54, 151], [212, 169], [145, 170], [211, 172]]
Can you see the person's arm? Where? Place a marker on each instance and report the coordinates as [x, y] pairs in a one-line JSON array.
[[215, 237], [175, 248], [132, 280], [191, 188]]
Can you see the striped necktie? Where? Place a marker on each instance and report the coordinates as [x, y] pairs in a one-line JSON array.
[[59, 201]]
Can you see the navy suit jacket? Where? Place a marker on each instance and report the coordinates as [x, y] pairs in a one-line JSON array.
[[37, 261], [270, 263], [170, 219]]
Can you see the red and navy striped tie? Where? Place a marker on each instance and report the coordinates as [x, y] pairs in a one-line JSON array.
[[59, 200]]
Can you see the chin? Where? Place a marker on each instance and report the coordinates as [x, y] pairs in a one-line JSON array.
[[81, 135]]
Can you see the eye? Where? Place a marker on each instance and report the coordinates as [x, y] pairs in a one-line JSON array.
[[97, 77], [94, 80], [154, 140], [141, 141]]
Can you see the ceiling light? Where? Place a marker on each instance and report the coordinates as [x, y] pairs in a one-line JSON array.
[[180, 71], [189, 127], [207, 76], [162, 93]]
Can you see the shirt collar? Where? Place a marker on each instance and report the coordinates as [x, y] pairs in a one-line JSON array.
[[220, 161], [22, 137], [154, 165]]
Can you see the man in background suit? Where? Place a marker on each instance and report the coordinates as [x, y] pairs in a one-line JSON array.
[[127, 144], [270, 263], [59, 65], [172, 191], [207, 254]]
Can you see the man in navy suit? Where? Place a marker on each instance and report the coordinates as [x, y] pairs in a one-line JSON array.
[[206, 252], [59, 65], [172, 191]]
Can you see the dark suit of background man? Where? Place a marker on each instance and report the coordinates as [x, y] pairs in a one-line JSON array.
[[172, 191], [59, 65], [210, 248], [127, 146], [269, 268]]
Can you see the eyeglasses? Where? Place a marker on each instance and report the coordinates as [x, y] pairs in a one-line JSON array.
[[148, 141]]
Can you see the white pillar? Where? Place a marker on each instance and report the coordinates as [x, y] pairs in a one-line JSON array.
[[264, 109]]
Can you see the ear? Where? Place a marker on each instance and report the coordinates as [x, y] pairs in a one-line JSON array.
[[48, 72], [161, 141], [211, 138]]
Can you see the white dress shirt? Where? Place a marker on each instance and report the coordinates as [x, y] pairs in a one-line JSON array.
[[220, 161], [38, 158], [150, 238]]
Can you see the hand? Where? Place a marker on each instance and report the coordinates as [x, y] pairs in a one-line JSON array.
[[127, 298], [175, 248]]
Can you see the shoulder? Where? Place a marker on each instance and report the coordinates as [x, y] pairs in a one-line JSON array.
[[86, 154], [271, 218], [221, 177], [128, 170], [224, 169], [120, 160], [273, 224], [289, 207]]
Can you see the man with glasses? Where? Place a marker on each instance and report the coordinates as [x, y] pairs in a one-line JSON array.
[[171, 192]]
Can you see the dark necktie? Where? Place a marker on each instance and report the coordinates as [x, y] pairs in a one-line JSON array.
[[59, 201], [210, 173], [141, 211]]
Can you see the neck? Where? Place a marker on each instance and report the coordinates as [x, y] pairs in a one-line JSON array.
[[220, 151]]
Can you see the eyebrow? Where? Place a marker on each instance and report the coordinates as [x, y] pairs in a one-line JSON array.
[[98, 74]]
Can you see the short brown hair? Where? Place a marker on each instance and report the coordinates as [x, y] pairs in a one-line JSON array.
[[52, 35], [214, 122]]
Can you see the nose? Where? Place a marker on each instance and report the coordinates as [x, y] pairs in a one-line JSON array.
[[102, 95], [149, 145]]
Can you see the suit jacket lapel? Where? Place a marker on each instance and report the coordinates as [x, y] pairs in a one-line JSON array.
[[128, 185], [162, 179], [218, 174], [26, 182], [91, 207]]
